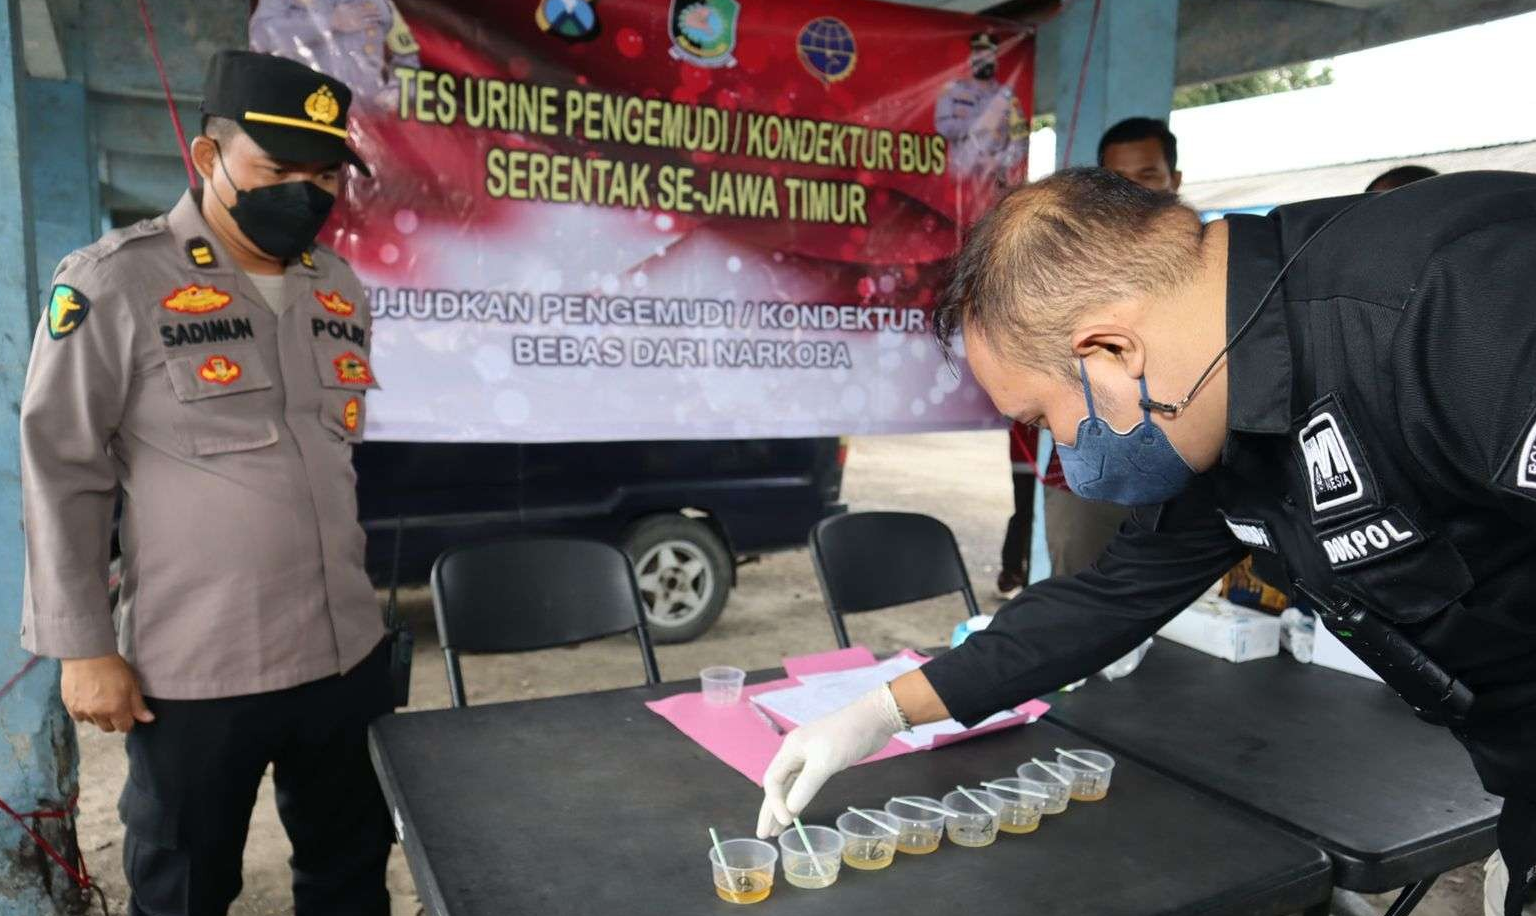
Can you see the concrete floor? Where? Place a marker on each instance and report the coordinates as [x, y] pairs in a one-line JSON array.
[[776, 610]]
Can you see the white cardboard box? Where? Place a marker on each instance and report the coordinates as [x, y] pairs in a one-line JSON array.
[[1218, 627], [1330, 652]]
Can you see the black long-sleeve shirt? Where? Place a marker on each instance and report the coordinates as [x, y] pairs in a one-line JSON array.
[[1381, 445]]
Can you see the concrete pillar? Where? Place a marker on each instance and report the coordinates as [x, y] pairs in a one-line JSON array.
[[1130, 69], [60, 167], [38, 752]]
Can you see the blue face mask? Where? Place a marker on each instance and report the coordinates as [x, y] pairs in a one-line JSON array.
[[1138, 468]]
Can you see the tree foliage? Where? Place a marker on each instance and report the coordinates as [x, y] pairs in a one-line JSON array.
[[1265, 82]]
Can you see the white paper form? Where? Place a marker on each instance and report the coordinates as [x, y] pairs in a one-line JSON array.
[[821, 694]]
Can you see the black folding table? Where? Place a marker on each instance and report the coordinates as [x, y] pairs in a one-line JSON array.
[[592, 804], [1336, 759]]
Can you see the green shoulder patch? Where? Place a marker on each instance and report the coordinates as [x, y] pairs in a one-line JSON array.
[[67, 308]]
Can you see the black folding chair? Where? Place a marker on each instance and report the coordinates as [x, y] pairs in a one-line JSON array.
[[867, 561], [535, 593]]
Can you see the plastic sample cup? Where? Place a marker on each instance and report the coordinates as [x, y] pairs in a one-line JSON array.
[[814, 867], [746, 874], [1043, 778], [920, 830], [865, 846], [722, 684], [1020, 813], [971, 824], [1090, 775]]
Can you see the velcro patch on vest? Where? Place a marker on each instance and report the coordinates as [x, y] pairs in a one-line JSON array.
[[1336, 473], [1518, 473], [1369, 539], [1251, 532]]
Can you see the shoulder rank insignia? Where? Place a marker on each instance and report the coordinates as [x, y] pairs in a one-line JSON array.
[[220, 370], [350, 414], [352, 369], [307, 258], [195, 300], [67, 308], [201, 253], [335, 304]]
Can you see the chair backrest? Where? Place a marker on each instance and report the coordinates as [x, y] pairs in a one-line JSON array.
[[523, 594], [872, 560]]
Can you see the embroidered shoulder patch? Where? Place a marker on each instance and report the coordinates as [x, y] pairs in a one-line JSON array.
[[220, 370], [196, 300], [67, 308], [335, 304], [352, 369], [1369, 539]]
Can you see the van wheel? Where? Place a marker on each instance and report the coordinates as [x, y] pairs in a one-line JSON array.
[[684, 572]]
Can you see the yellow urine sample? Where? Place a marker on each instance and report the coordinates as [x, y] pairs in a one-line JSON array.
[[1093, 796], [1006, 827], [917, 844], [869, 856], [752, 887]]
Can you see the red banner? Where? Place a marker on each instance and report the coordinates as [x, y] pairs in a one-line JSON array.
[[600, 219]]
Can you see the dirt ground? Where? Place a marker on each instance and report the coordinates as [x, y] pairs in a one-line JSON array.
[[776, 610]]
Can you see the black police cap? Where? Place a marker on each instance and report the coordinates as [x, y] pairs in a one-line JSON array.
[[292, 112]]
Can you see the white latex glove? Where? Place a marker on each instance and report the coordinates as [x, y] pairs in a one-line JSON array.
[[814, 752]]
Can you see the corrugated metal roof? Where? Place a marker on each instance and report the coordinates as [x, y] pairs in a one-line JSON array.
[[1351, 178]]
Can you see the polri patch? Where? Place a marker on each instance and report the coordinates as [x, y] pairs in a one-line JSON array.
[[1518, 474], [220, 370], [196, 300], [350, 414], [67, 308], [335, 304], [1334, 465], [352, 369], [200, 253], [1251, 532], [1369, 539]]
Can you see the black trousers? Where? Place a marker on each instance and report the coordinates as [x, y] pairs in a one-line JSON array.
[[192, 780], [1021, 527]]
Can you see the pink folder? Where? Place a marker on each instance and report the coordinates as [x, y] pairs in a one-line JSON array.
[[740, 737]]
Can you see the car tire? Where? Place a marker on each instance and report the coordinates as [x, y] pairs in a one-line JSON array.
[[684, 573]]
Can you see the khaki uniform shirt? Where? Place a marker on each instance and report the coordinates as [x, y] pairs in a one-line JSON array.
[[229, 429]]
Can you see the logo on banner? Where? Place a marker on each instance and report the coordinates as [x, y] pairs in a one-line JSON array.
[[221, 370], [195, 300], [67, 308], [573, 20], [704, 31], [1330, 466], [826, 48]]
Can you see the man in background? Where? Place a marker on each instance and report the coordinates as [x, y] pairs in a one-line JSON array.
[[1396, 178]]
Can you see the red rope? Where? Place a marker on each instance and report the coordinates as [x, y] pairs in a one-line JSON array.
[[80, 875], [31, 663], [170, 102], [1082, 77], [77, 872]]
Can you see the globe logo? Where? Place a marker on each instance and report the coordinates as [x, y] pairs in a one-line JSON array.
[[826, 48]]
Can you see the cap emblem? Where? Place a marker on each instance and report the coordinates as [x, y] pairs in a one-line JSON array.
[[322, 106]]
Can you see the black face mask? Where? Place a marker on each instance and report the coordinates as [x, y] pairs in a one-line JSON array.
[[280, 219]]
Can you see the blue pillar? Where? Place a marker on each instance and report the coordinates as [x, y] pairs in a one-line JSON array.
[[61, 172], [1130, 69], [37, 742]]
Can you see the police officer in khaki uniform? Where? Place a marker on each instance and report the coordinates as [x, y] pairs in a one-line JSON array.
[[212, 363]]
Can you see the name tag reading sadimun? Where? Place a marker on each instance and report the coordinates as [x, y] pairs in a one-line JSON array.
[[1369, 539]]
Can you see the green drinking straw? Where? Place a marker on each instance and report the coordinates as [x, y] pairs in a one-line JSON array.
[[805, 841]]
